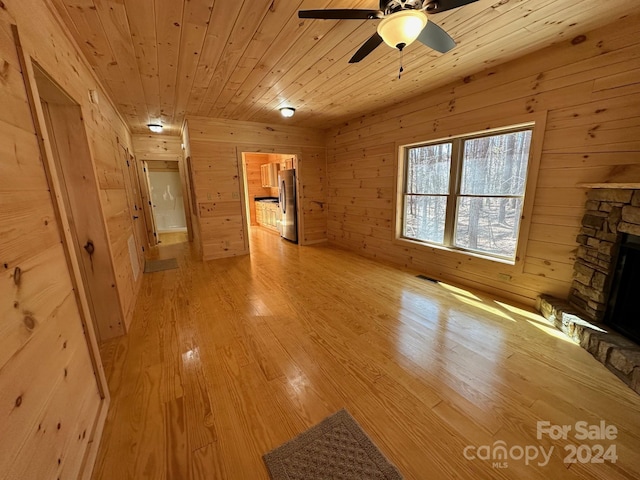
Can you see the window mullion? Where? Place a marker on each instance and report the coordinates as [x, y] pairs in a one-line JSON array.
[[454, 188]]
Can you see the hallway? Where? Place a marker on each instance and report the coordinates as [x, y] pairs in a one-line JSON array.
[[228, 359]]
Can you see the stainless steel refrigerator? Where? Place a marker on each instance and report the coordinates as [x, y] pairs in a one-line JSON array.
[[288, 223]]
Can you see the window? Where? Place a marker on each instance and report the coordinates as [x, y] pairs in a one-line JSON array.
[[467, 193]]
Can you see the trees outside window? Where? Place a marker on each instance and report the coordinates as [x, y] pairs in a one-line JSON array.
[[427, 188], [467, 193]]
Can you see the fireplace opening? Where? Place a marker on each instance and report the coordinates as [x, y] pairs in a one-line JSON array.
[[623, 310]]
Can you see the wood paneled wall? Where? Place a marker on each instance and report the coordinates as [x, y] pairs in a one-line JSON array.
[[110, 154], [219, 196], [157, 147], [312, 182], [216, 146], [590, 87], [52, 47], [52, 410]]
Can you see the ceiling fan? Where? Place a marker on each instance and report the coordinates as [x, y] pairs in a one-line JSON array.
[[402, 22]]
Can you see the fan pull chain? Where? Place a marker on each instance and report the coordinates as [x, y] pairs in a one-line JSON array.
[[401, 67]]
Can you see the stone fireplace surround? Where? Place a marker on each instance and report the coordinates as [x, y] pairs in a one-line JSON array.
[[610, 212]]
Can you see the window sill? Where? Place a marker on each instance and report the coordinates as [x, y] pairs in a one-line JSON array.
[[433, 246]]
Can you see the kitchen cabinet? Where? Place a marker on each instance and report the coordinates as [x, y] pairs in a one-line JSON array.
[[269, 174], [268, 215], [259, 213], [287, 164]]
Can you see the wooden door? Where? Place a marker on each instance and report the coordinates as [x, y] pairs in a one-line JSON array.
[[137, 242], [52, 384], [145, 189], [139, 215], [79, 191]]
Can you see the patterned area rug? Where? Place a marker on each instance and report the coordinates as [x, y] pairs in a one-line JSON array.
[[337, 448], [151, 266]]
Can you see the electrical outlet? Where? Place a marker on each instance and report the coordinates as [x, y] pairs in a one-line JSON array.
[[504, 276], [235, 195], [208, 196]]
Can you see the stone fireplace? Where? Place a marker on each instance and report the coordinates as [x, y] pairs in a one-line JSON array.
[[611, 224], [610, 213]]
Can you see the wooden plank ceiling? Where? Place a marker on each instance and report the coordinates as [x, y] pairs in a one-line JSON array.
[[244, 59]]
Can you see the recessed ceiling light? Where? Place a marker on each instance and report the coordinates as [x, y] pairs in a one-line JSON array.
[[155, 127], [287, 111]]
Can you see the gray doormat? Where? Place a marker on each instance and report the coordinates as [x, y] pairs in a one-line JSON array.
[[151, 266], [336, 448]]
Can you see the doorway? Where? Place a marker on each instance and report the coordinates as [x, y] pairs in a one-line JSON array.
[[167, 201], [133, 191], [263, 199], [79, 191]]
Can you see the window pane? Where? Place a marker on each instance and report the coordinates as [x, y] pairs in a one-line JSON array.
[[424, 217], [496, 165], [488, 224], [428, 169]]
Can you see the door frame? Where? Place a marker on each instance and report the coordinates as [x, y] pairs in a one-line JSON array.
[[134, 198], [281, 150], [186, 198], [145, 188]]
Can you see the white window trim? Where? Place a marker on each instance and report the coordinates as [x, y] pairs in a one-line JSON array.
[[536, 120]]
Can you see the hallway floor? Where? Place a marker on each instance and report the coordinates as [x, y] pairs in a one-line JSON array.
[[171, 238]]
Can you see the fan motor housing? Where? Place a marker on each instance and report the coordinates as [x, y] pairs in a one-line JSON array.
[[392, 6]]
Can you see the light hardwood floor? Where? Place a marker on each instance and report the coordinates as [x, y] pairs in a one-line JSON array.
[[170, 238], [228, 359]]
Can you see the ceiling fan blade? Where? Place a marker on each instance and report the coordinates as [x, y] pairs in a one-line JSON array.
[[437, 6], [368, 47], [340, 14], [436, 38]]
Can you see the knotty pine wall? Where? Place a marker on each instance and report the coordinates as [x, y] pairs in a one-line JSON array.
[[215, 146], [157, 147], [51, 46], [590, 87], [312, 182], [53, 411]]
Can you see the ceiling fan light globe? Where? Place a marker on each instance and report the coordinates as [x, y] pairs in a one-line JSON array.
[[402, 28]]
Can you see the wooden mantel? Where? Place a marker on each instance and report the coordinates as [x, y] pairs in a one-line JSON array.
[[620, 176], [629, 185]]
